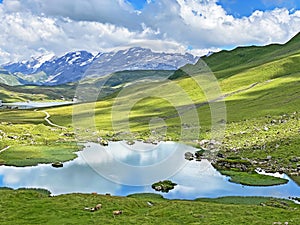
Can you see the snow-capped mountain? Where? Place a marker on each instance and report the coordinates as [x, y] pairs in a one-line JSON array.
[[67, 68], [138, 59], [53, 70], [29, 67], [56, 70]]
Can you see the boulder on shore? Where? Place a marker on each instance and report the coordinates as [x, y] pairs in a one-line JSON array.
[[103, 142]]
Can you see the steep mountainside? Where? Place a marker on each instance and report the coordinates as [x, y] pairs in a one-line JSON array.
[[7, 78], [228, 63], [52, 70]]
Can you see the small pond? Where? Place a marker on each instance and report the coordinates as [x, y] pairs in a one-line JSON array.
[[121, 169]]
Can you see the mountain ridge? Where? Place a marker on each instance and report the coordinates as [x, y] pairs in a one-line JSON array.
[[73, 66], [229, 62]]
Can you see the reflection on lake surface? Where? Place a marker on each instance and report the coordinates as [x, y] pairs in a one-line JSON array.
[[120, 169]]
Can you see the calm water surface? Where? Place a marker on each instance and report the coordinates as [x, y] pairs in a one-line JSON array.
[[120, 169], [31, 105]]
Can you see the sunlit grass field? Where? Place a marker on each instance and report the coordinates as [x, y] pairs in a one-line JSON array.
[[36, 207], [260, 87], [276, 93]]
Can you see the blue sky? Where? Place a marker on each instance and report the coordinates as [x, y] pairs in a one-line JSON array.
[[138, 4], [240, 8], [40, 27]]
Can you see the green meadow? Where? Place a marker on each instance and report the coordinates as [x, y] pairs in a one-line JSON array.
[[36, 207], [256, 90], [260, 88]]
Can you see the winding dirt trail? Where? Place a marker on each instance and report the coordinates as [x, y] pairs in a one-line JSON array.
[[49, 122], [4, 149]]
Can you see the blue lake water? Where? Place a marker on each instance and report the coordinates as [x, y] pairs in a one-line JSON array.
[[120, 169], [31, 105]]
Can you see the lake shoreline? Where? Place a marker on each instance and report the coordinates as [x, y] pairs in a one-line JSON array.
[[181, 183], [234, 176]]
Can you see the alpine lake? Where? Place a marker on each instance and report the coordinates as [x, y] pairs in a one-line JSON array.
[[122, 169]]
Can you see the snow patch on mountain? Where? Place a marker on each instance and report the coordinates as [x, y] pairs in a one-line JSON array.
[[42, 59], [73, 66]]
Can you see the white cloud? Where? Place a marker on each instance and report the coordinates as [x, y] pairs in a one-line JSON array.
[[204, 25], [117, 12], [32, 27]]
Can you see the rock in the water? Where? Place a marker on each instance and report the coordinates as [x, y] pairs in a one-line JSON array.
[[164, 186], [188, 156], [57, 164], [130, 142]]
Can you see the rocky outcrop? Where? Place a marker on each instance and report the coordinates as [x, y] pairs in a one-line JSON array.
[[209, 144], [198, 155], [236, 164]]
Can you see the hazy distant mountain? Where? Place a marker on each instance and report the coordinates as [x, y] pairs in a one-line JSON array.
[[7, 78], [53, 70]]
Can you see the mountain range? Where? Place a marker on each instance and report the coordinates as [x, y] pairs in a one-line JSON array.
[[235, 69], [52, 70]]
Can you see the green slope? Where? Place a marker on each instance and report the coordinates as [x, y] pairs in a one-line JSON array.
[[275, 91], [228, 63], [32, 78], [35, 93], [260, 84], [256, 94], [261, 89], [36, 207], [12, 91], [7, 78]]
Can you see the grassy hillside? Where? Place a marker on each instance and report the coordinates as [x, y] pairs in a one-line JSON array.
[[260, 85], [36, 78], [12, 91], [23, 93], [262, 103], [228, 63], [7, 78], [36, 207]]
